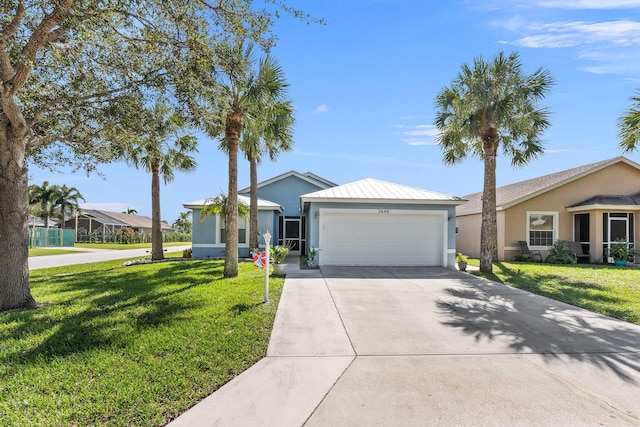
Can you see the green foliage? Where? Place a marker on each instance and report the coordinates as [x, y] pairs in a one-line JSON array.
[[161, 144], [313, 252], [559, 254], [54, 201], [187, 253], [629, 126], [493, 101], [183, 224], [129, 237], [460, 257], [218, 206], [492, 107], [622, 250], [278, 253], [137, 345]]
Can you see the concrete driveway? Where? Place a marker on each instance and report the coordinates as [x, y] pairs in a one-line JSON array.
[[430, 346]]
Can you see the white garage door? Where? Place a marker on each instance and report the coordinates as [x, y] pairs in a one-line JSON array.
[[382, 237]]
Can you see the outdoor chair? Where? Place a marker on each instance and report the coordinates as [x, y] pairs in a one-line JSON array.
[[575, 250], [528, 254]]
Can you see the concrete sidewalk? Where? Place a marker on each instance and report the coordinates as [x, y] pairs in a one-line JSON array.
[[417, 346]]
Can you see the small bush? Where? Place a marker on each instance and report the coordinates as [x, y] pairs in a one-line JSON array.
[[560, 254]]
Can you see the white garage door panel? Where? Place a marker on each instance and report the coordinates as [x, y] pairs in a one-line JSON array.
[[396, 238]]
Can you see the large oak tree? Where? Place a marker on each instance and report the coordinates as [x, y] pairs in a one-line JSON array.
[[72, 70]]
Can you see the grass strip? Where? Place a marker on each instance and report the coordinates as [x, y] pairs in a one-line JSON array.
[[609, 290]]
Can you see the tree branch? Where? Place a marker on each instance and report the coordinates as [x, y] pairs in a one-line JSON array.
[[11, 29], [36, 41]]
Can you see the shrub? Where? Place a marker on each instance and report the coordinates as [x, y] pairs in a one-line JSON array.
[[559, 254]]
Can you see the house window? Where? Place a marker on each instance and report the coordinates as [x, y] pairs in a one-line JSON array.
[[542, 228], [242, 231]]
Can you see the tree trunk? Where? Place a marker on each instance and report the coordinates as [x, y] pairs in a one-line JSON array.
[[233, 130], [157, 251], [15, 291], [253, 206], [488, 233]]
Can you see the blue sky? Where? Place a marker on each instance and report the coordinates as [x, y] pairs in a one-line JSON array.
[[364, 88]]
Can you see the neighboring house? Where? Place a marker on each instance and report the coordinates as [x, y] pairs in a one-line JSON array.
[[367, 222], [593, 204], [90, 220]]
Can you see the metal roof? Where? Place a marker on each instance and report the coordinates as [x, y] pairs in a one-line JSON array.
[[369, 190], [262, 204]]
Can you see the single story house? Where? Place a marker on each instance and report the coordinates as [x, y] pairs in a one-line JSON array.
[[594, 204], [91, 220], [368, 222]]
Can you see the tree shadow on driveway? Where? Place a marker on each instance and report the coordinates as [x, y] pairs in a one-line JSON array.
[[531, 324]]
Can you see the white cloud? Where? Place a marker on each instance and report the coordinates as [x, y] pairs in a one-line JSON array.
[[576, 33], [590, 4], [322, 108], [421, 135]]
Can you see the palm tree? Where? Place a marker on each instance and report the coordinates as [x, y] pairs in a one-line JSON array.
[[491, 104], [629, 126], [66, 200], [219, 205], [269, 133], [130, 211], [43, 196], [162, 149], [182, 224], [243, 93]]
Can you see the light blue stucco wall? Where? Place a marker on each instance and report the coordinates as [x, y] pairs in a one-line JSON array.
[[286, 192], [205, 237], [313, 221]]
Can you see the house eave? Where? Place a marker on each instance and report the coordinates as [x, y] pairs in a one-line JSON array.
[[304, 200], [477, 212], [603, 208]]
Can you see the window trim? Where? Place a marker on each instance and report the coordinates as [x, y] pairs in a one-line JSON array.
[[554, 237], [242, 225]]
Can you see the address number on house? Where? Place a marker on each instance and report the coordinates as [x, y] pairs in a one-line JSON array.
[[383, 211]]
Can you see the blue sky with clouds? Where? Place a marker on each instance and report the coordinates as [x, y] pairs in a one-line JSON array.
[[364, 87]]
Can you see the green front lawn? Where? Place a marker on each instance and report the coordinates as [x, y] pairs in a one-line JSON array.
[[138, 345], [612, 291]]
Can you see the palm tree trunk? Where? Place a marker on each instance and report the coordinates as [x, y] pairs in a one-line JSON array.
[[157, 251], [15, 291], [253, 205], [488, 233], [233, 130]]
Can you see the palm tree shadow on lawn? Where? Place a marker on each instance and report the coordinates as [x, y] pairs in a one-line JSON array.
[[489, 311], [114, 305]]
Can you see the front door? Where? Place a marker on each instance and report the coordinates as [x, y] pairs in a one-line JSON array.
[[617, 226], [292, 234]]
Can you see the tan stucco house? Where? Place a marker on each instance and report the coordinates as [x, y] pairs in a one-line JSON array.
[[593, 204]]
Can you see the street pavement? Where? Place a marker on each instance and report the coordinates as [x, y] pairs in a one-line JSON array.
[[92, 255], [430, 346]]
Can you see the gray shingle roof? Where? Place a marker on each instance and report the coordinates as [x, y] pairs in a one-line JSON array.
[[609, 200], [375, 190], [122, 219], [512, 194]]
